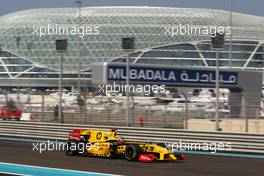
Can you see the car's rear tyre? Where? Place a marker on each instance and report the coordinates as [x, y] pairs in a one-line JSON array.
[[70, 149], [132, 152], [113, 154]]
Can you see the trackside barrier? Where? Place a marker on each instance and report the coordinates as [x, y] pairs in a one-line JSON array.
[[240, 142]]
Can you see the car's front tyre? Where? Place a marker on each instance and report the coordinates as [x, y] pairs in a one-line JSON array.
[[132, 152]]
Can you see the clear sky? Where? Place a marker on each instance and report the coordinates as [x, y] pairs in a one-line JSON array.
[[254, 7]]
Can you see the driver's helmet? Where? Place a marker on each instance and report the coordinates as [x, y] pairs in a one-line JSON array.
[[122, 139]]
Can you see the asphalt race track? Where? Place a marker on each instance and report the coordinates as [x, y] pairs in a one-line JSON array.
[[193, 165]]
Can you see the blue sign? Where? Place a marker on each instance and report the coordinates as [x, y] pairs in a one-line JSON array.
[[170, 75]]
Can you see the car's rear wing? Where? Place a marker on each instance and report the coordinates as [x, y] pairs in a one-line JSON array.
[[93, 136]]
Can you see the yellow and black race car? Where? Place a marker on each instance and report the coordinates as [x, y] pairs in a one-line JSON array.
[[104, 143]]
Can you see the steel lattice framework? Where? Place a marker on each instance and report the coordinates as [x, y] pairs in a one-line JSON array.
[[26, 55]]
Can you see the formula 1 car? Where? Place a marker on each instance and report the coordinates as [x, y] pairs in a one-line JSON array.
[[104, 143]]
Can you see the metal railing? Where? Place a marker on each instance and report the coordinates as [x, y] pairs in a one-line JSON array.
[[240, 142], [148, 112]]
